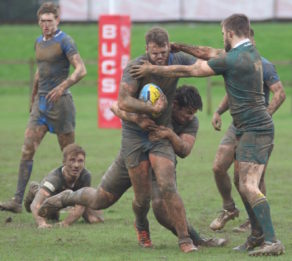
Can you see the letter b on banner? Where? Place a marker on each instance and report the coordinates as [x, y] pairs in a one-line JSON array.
[[114, 53]]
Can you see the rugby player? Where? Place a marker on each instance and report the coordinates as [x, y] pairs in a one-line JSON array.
[[52, 108], [226, 150], [241, 67], [71, 175]]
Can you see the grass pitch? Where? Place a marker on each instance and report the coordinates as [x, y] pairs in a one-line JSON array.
[[115, 239]]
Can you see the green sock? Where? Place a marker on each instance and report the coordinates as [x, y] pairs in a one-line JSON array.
[[262, 212], [256, 229], [194, 235]]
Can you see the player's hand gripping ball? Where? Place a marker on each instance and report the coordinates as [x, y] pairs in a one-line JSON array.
[[150, 93]]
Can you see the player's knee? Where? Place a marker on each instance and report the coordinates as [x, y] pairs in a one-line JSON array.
[[28, 150], [156, 204], [168, 189], [142, 201], [218, 169]]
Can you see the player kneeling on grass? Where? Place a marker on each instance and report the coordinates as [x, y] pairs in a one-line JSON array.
[[71, 175]]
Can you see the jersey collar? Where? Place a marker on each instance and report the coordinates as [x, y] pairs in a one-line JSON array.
[[246, 40]]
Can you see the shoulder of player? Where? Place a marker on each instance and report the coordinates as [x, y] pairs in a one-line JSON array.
[[85, 173], [180, 57]]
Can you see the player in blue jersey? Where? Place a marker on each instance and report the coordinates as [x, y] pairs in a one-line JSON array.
[[241, 68], [52, 108], [225, 153]]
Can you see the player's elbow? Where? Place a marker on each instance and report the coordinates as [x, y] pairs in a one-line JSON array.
[[83, 71], [283, 95]]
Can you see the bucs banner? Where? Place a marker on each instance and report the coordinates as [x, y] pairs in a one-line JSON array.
[[114, 53]]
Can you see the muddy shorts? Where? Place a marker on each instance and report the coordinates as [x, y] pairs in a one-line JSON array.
[[254, 147], [136, 148], [229, 136], [116, 180], [59, 116]]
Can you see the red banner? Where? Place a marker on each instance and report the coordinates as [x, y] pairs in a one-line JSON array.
[[114, 53]]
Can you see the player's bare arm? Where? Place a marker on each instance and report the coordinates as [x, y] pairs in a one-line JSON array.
[[128, 102], [201, 52], [40, 197], [182, 144], [223, 107], [279, 97], [35, 88], [78, 73], [142, 120], [199, 69], [74, 214]]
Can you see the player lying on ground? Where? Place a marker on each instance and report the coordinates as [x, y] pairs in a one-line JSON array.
[[116, 180], [71, 175]]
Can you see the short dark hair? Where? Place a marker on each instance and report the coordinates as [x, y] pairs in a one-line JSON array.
[[188, 96], [157, 35], [238, 23], [73, 149], [48, 7]]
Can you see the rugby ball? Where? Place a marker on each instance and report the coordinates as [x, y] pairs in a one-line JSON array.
[[150, 93]]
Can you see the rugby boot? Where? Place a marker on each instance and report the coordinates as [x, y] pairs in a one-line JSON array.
[[244, 227], [250, 243], [187, 247], [53, 204], [143, 237], [11, 205], [33, 189], [225, 215], [269, 249], [212, 242]]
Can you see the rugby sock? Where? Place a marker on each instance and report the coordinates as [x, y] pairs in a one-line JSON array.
[[256, 229], [194, 235], [24, 172], [262, 212]]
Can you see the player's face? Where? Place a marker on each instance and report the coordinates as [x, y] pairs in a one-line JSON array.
[[74, 164], [49, 24], [183, 115], [156, 54], [227, 41]]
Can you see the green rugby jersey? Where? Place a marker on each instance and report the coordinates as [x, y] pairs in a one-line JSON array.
[[241, 69]]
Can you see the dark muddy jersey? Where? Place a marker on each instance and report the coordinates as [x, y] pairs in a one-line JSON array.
[[189, 128], [52, 60], [167, 85], [241, 68], [55, 183], [270, 77]]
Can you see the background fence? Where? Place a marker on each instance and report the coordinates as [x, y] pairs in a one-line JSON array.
[[15, 11]]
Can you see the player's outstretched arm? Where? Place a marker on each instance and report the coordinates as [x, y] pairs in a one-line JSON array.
[[199, 69], [201, 52], [279, 97]]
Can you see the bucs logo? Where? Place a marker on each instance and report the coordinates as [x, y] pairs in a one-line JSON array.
[[104, 108]]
